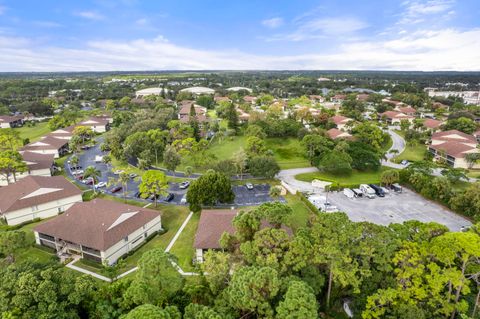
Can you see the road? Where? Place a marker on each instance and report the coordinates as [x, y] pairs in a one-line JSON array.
[[288, 177], [398, 143]]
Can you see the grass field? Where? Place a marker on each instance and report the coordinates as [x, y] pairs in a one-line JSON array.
[[355, 178], [33, 133], [183, 247], [301, 212], [412, 153], [32, 252]]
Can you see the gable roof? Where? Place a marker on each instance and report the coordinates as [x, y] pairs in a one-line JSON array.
[[335, 133], [454, 135], [212, 225], [455, 149], [395, 115], [407, 109], [94, 121], [35, 190], [36, 161], [48, 142], [431, 123], [9, 119], [339, 119], [97, 224]]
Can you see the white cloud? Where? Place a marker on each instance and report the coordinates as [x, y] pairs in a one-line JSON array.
[[417, 11], [315, 28], [447, 49], [142, 22], [2, 10], [273, 22], [90, 15]]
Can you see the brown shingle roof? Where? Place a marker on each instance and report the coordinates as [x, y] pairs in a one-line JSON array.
[[94, 121], [454, 135], [8, 119], [455, 149], [212, 225], [97, 224], [12, 197], [38, 161], [47, 143]]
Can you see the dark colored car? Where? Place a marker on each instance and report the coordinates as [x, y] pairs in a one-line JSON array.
[[138, 195], [75, 168], [169, 197], [116, 189], [378, 191]]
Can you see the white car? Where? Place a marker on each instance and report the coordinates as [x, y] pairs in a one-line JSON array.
[[79, 172], [118, 172], [249, 186], [184, 199], [101, 184], [184, 185], [133, 175]]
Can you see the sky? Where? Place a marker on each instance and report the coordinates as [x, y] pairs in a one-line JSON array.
[[128, 35]]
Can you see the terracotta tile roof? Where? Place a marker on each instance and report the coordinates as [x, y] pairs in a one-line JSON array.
[[212, 225], [37, 161], [336, 133], [395, 115], [97, 224], [407, 109], [339, 119], [431, 123], [454, 135], [249, 98], [362, 97], [34, 190], [185, 110], [455, 149]]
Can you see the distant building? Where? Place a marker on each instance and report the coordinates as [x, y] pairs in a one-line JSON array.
[[432, 124], [99, 230], [335, 134], [338, 98], [37, 197], [10, 121], [250, 99], [395, 117], [50, 144], [239, 88], [408, 110], [184, 112], [37, 165], [97, 124], [150, 91], [340, 121], [199, 90]]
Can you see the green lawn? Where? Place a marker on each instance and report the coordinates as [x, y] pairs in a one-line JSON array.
[[412, 153], [288, 152], [33, 133], [355, 178], [301, 212], [183, 247], [33, 252]]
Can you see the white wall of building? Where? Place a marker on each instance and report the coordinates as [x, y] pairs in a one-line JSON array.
[[42, 211]]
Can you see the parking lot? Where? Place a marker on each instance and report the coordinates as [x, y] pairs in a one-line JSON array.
[[396, 208], [243, 196]]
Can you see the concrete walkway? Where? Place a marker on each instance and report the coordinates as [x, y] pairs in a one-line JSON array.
[[179, 231], [88, 272], [288, 176]]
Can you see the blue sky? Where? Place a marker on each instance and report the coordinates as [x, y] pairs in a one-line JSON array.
[[156, 35]]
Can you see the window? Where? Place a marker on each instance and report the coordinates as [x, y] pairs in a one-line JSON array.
[[125, 239]]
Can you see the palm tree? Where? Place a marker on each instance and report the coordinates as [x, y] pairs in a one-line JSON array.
[[94, 173], [124, 178], [74, 160], [107, 159]]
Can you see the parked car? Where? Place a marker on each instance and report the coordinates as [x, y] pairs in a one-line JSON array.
[[378, 190], [396, 188], [183, 201], [153, 197], [184, 185], [249, 186], [328, 208], [367, 191], [98, 159], [169, 197], [137, 195], [404, 162], [348, 192], [358, 193], [88, 181], [85, 147], [101, 184], [78, 172], [118, 171], [116, 189], [133, 175], [385, 190], [74, 168]]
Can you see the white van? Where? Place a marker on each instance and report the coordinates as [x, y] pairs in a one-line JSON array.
[[367, 191], [348, 192]]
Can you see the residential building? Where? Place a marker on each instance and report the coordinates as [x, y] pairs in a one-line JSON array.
[[97, 124], [408, 110], [250, 99], [363, 97], [431, 124], [184, 112], [452, 147], [50, 144], [10, 121], [337, 134], [395, 117], [37, 197], [340, 121], [99, 230], [239, 88], [338, 98], [37, 165], [212, 225], [222, 98], [150, 91], [65, 133], [198, 90]]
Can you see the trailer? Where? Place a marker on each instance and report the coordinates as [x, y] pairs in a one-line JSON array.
[[367, 191]]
